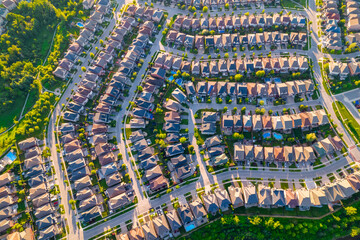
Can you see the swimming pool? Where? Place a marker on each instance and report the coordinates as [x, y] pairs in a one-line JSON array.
[[171, 78], [179, 81], [11, 156], [277, 80], [80, 25], [189, 227], [266, 135], [277, 136]]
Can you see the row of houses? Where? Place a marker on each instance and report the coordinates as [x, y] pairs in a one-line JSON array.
[[87, 35], [343, 70], [190, 215], [145, 154], [120, 80], [9, 209], [179, 164], [215, 148], [284, 123], [249, 90], [216, 4], [118, 193], [220, 24], [332, 31], [78, 170], [228, 41], [289, 154], [145, 13], [233, 66], [44, 201], [353, 15]]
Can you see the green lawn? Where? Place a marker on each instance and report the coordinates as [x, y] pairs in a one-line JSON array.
[[349, 120], [6, 118], [291, 4], [33, 97]]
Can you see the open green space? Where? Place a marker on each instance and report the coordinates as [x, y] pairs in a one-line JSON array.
[[23, 49], [347, 119], [291, 4]]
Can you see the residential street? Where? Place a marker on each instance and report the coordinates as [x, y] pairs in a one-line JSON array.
[[206, 179], [51, 141]]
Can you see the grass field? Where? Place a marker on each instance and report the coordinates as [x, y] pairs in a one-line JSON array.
[[291, 4], [7, 118], [349, 120]]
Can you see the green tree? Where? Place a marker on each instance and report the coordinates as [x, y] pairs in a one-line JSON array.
[[205, 9], [243, 110], [83, 69], [182, 140], [238, 77], [260, 73], [351, 211], [310, 137]]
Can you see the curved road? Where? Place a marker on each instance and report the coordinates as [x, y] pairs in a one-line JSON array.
[[205, 179]]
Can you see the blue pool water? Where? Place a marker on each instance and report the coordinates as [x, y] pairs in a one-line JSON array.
[[173, 72], [267, 79], [277, 80], [11, 156], [179, 81], [171, 78], [189, 227], [267, 135], [80, 25], [277, 136]]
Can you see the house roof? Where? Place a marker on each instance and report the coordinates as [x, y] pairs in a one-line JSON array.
[[136, 234], [291, 199], [185, 214], [173, 220], [222, 198], [334, 193], [236, 196], [346, 188], [212, 141], [161, 226], [264, 195], [210, 202], [278, 197], [153, 173], [149, 231], [269, 154], [250, 196], [303, 196], [197, 208], [318, 197]]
